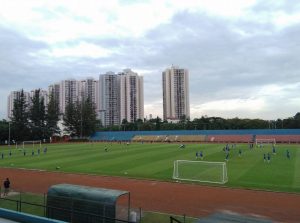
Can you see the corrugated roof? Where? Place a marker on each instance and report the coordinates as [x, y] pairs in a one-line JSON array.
[[99, 195]]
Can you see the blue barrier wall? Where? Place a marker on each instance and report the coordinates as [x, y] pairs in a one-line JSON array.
[[127, 135], [25, 218]]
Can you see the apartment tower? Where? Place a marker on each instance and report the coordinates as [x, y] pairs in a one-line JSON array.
[[12, 97], [176, 102], [131, 96], [69, 92], [109, 99], [89, 88]]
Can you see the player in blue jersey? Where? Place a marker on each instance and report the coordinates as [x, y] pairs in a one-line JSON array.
[[269, 158], [288, 155], [265, 157], [273, 149], [227, 156], [201, 155]]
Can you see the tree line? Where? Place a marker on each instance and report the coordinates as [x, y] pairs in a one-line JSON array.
[[207, 123], [35, 121]]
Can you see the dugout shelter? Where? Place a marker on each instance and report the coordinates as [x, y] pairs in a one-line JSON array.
[[75, 203]]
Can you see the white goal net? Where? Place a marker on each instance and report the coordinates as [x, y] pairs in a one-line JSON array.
[[265, 141], [32, 144], [202, 171]]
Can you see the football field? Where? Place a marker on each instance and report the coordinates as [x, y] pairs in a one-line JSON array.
[[155, 161]]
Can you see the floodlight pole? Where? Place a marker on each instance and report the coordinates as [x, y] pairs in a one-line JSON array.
[[8, 133], [81, 120]]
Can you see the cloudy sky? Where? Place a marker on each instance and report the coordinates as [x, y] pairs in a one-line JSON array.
[[242, 55]]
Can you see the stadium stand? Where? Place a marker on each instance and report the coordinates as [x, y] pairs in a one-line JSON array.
[[230, 138], [243, 136], [193, 138]]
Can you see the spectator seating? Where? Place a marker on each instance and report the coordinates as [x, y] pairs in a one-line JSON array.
[[230, 138]]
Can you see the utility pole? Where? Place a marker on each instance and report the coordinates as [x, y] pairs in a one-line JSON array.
[[9, 134], [81, 122]]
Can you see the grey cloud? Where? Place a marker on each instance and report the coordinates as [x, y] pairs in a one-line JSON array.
[[227, 59], [267, 6], [223, 63]]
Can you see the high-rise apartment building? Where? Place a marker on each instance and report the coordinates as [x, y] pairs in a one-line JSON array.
[[116, 96], [109, 99], [176, 102], [54, 89], [69, 92], [121, 97], [131, 96], [11, 98], [89, 88]]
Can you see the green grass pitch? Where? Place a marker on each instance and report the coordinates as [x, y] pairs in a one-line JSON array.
[[155, 161]]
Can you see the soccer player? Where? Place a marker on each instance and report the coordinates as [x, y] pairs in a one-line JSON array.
[[240, 152], [2, 155], [201, 155], [10, 153], [269, 158], [227, 156], [288, 155], [196, 155], [265, 158], [274, 150]]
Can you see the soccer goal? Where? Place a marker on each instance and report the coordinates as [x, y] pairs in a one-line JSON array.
[[202, 171], [34, 143], [265, 141]]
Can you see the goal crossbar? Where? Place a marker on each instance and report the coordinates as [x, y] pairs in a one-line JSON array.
[[266, 140], [33, 143]]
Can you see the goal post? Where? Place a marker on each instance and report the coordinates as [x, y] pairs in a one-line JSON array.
[[33, 143], [201, 171], [265, 141]]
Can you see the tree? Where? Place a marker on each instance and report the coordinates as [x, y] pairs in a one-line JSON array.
[[124, 124], [70, 119], [89, 120], [80, 118], [297, 120], [19, 119], [4, 129], [157, 123], [37, 116], [52, 116]]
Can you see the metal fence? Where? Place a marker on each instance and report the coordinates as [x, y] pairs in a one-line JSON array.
[[18, 201]]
